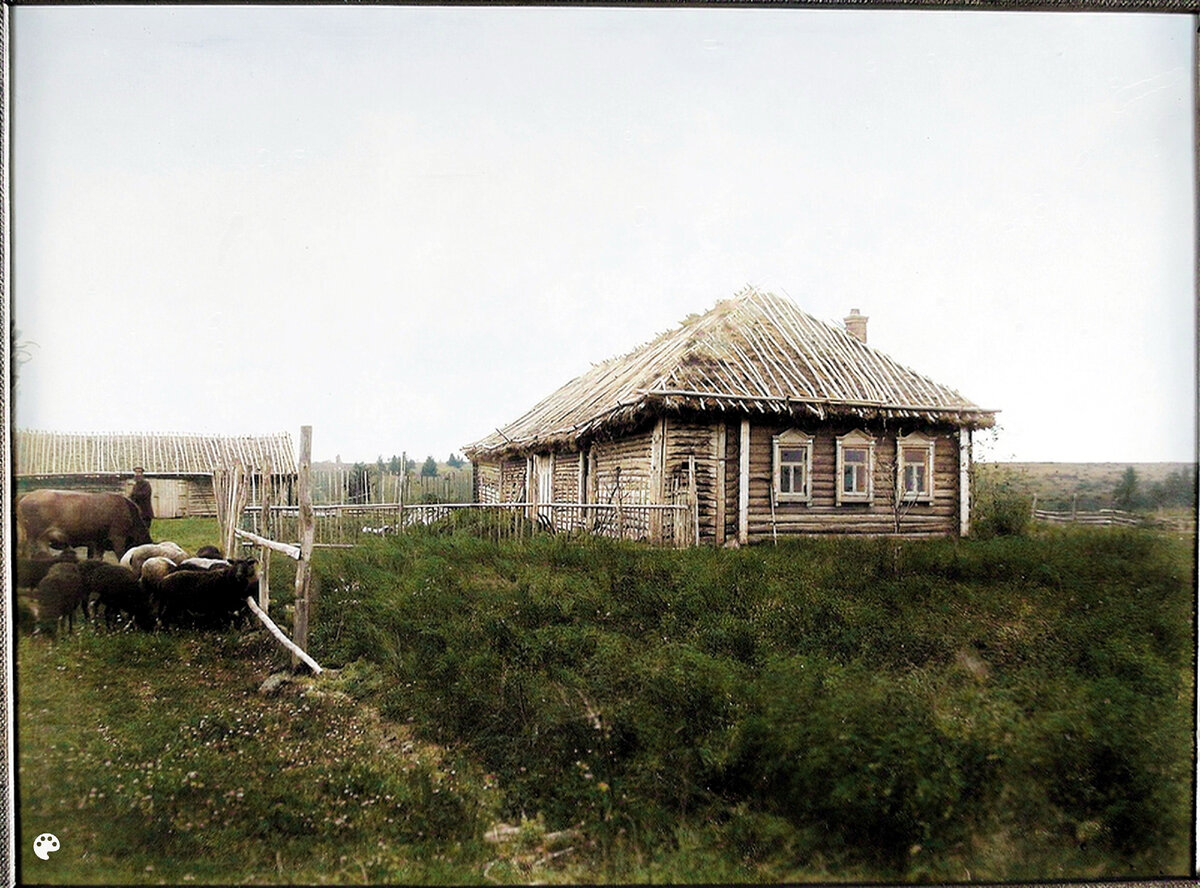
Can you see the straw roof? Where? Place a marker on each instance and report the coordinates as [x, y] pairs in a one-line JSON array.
[[757, 354], [41, 454]]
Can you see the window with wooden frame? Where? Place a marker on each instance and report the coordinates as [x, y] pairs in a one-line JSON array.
[[792, 459], [855, 468], [914, 467]]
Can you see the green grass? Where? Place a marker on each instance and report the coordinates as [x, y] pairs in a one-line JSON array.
[[191, 533], [153, 758], [1005, 709], [904, 710]]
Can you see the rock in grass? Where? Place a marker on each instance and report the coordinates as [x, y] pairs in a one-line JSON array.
[[274, 682]]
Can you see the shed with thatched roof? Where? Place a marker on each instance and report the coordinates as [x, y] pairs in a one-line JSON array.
[[786, 423], [179, 467]]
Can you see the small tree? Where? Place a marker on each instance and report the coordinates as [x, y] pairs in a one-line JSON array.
[[455, 461], [1000, 501], [394, 465], [429, 469], [358, 485], [1126, 492]]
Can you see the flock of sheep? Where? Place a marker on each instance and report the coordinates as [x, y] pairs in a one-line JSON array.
[[154, 585]]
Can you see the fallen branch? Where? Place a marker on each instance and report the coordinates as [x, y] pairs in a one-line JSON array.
[[283, 639]]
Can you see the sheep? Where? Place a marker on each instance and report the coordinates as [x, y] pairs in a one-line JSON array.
[[209, 552], [154, 569], [207, 598], [59, 594], [116, 589], [135, 557], [203, 564], [30, 571]]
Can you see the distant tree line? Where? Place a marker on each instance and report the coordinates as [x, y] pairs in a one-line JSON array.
[[1178, 489]]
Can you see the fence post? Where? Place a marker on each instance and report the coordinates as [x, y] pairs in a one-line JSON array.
[[264, 522], [403, 485], [303, 565]]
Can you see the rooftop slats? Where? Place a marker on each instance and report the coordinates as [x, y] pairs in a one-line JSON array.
[[756, 352], [42, 453]]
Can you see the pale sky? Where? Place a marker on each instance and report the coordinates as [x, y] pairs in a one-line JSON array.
[[405, 226]]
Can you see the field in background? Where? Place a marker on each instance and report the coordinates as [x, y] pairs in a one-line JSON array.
[[1090, 486]]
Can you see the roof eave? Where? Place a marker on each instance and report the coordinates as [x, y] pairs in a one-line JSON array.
[[965, 416]]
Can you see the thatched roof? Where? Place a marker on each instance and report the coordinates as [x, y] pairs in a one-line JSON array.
[[41, 454], [754, 354]]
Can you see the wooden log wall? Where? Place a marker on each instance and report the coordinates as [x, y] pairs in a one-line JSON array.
[[632, 456], [201, 501], [486, 482], [512, 486], [732, 449], [566, 476], [823, 515], [698, 439]]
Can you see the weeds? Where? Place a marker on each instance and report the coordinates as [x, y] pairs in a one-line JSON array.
[[1010, 708], [892, 717]]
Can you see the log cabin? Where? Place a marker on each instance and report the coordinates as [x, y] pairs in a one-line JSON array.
[[776, 423]]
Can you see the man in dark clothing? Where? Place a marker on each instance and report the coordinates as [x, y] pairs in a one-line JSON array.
[[142, 496]]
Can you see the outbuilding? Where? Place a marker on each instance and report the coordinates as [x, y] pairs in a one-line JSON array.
[[179, 467], [773, 421]]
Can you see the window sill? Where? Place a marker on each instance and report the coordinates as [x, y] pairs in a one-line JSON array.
[[803, 499]]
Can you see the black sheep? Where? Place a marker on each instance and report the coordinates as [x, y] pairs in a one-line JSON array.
[[207, 599], [30, 571], [59, 594], [117, 590]]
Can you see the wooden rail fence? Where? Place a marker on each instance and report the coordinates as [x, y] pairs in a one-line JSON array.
[[345, 525], [1102, 517], [232, 494]]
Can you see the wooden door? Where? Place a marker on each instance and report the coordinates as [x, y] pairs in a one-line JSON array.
[[543, 467]]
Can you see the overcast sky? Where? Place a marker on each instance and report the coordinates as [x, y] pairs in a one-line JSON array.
[[404, 226]]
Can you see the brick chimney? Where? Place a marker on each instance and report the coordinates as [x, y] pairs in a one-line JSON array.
[[856, 325]]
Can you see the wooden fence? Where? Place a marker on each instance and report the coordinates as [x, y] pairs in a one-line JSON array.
[[232, 494], [1103, 517], [345, 525], [342, 485]]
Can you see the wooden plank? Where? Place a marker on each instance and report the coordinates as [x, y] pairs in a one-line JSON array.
[[744, 483], [964, 482], [304, 564], [297, 651], [264, 524], [658, 458]]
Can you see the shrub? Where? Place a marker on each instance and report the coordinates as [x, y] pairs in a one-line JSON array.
[[1000, 505]]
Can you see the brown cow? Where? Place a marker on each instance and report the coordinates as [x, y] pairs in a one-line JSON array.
[[68, 518]]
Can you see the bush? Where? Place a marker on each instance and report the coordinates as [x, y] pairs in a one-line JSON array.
[[894, 713], [999, 505]]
